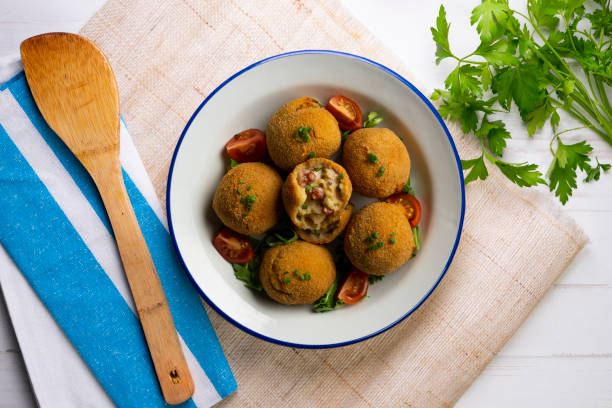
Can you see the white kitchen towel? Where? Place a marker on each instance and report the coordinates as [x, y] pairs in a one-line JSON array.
[[68, 367]]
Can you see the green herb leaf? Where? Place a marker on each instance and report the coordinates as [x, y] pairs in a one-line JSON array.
[[440, 36], [233, 163], [375, 278], [595, 172], [521, 174], [491, 16], [328, 301], [562, 172], [249, 273], [477, 169]]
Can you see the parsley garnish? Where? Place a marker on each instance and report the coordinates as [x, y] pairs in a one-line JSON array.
[[302, 134], [233, 163], [372, 120], [340, 177], [377, 245], [372, 158], [311, 155], [530, 60], [381, 171], [248, 201]]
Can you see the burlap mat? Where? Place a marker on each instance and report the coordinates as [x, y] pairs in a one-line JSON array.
[[168, 55]]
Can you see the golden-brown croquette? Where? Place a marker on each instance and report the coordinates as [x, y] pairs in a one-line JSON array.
[[377, 162], [299, 130], [378, 239], [297, 273], [315, 194], [248, 200]]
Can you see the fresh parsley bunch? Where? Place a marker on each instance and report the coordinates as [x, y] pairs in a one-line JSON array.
[[532, 60]]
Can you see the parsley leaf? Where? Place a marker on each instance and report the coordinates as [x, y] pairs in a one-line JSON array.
[[491, 16], [522, 174], [440, 36], [477, 168], [562, 172]]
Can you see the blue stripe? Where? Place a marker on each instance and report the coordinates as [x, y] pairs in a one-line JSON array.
[[72, 284], [188, 312], [20, 90]]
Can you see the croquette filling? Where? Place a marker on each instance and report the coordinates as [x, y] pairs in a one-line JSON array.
[[322, 197]]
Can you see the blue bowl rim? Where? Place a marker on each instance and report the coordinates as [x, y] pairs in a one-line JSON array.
[[459, 169]]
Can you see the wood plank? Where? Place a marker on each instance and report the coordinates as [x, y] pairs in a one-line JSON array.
[[569, 321], [541, 382]]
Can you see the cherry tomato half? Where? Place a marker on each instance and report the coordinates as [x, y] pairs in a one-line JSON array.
[[247, 146], [411, 205], [346, 111], [355, 287], [234, 247]]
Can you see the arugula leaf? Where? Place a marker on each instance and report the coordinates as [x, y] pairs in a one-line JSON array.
[[249, 273], [328, 301], [375, 278], [562, 172], [440, 36], [478, 169], [491, 16]]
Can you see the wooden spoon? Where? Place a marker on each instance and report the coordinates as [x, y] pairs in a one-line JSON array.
[[76, 92]]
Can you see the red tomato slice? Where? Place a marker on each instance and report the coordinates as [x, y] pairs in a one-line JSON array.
[[411, 205], [346, 111], [234, 247], [355, 287], [247, 146]]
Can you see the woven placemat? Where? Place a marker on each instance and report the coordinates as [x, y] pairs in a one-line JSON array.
[[169, 55]]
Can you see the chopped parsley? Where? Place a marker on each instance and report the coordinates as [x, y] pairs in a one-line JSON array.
[[286, 280], [302, 134], [239, 192], [372, 158], [318, 169], [392, 241], [377, 245], [248, 201], [311, 155], [381, 171], [249, 188], [304, 206], [242, 182], [340, 177]]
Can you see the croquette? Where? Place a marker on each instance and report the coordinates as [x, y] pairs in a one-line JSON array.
[[299, 130], [315, 194], [248, 200], [331, 231], [297, 273], [377, 162], [378, 239]]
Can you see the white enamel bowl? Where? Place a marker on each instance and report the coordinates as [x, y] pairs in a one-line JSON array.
[[247, 100]]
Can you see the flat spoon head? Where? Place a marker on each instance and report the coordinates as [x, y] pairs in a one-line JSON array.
[[76, 92]]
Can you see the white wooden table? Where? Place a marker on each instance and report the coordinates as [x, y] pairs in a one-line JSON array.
[[561, 356]]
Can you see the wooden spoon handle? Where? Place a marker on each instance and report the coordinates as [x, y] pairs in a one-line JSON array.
[[170, 365]]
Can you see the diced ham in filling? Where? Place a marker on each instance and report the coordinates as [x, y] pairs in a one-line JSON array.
[[322, 197]]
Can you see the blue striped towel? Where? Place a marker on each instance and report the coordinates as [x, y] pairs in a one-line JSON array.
[[54, 228]]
